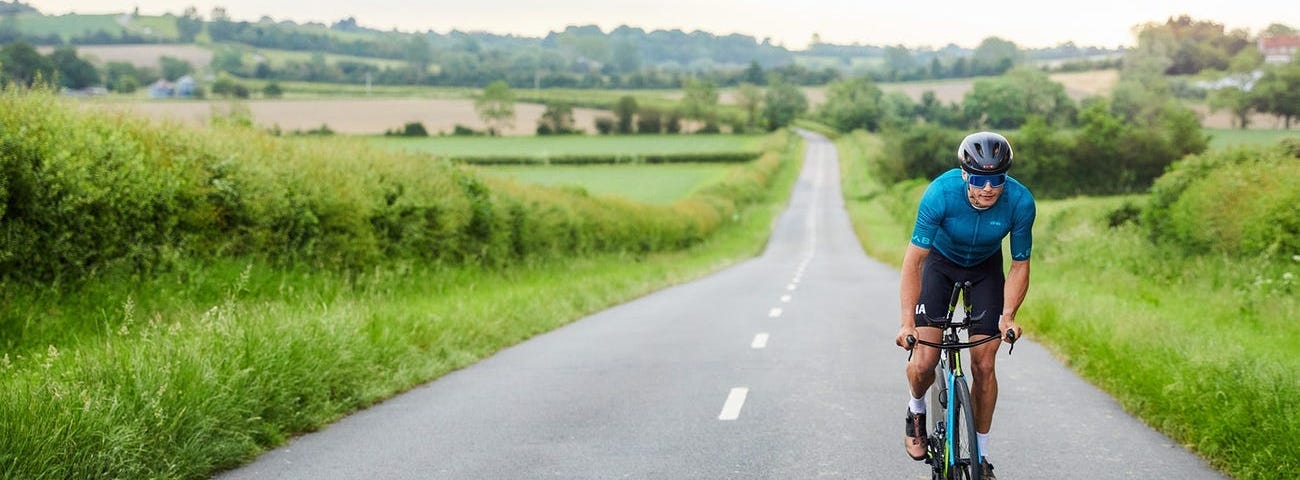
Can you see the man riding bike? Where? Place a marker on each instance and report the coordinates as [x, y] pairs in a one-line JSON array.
[[963, 217]]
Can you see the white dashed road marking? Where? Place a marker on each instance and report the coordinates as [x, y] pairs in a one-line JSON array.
[[760, 341], [735, 400], [776, 312]]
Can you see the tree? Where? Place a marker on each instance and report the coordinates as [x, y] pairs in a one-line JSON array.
[[700, 102], [1235, 100], [174, 68], [557, 119], [1007, 101], [419, 54], [1278, 92], [273, 90], [750, 100], [625, 110], [496, 106], [73, 72], [649, 120], [783, 102], [994, 56], [189, 25], [852, 104], [20, 63]]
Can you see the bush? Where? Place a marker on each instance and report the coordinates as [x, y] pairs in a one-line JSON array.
[[272, 90], [605, 125], [1240, 202], [923, 151], [410, 129], [85, 192]]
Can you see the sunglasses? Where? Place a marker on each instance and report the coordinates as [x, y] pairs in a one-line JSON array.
[[979, 181]]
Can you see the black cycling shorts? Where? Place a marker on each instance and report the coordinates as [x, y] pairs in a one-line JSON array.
[[987, 280]]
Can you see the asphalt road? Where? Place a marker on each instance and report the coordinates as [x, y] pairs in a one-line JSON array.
[[780, 367]]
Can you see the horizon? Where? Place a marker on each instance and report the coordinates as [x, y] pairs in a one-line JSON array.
[[790, 26]]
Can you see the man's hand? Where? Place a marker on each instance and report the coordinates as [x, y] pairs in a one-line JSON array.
[[903, 333], [1008, 322]]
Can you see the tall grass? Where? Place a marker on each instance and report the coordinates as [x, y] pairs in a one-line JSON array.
[[1200, 347], [84, 193]]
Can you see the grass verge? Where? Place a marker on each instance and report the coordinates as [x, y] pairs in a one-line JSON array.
[[1201, 348]]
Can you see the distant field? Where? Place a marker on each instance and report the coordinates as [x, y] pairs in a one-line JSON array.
[[614, 145], [67, 25], [358, 116], [657, 184], [1226, 137], [141, 55], [1078, 85]]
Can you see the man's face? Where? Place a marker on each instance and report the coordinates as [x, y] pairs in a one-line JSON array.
[[984, 195]]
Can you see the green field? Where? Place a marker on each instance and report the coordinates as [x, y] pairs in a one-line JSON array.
[[624, 146], [657, 184], [67, 25], [279, 58], [1226, 137]]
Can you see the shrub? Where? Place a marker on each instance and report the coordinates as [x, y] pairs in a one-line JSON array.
[[83, 192], [1239, 202]]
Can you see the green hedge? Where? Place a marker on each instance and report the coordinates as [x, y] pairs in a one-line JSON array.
[[1242, 201], [86, 191]]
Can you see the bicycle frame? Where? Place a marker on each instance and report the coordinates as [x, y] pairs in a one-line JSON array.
[[950, 378]]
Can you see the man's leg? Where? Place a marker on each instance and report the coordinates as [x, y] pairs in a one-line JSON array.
[[920, 375], [984, 390]]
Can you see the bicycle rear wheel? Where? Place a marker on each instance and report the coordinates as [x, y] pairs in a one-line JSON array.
[[965, 448]]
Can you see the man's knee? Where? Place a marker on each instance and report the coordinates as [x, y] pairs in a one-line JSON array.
[[982, 366]]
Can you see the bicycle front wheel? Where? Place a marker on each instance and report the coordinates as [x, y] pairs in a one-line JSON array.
[[965, 455]]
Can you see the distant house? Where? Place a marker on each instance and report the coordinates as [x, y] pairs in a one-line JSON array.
[[162, 89], [184, 87], [1279, 48]]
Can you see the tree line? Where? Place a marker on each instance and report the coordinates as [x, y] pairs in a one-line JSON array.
[[1101, 145], [576, 57]]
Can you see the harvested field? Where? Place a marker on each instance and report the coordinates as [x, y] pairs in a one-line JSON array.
[[350, 116], [1078, 85], [141, 55]]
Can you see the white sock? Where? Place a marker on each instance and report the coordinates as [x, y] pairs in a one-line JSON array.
[[983, 439], [916, 405]]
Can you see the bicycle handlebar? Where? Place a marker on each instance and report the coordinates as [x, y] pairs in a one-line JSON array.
[[1010, 337]]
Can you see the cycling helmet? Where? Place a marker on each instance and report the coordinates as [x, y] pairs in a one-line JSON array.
[[984, 153]]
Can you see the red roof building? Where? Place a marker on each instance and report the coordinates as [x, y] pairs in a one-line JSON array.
[[1279, 48]]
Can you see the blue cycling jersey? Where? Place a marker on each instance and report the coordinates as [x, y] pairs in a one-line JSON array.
[[947, 222]]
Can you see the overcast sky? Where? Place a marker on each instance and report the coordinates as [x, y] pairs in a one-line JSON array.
[[792, 23]]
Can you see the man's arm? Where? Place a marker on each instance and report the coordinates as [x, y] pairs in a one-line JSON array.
[[1013, 295], [909, 291]]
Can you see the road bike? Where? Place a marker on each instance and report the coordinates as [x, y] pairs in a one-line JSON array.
[[951, 449]]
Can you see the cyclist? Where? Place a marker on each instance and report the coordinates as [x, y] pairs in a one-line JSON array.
[[963, 217]]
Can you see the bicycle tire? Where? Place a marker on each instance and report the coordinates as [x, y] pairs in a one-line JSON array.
[[962, 430]]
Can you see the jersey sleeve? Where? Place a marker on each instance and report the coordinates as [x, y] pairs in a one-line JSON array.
[[1022, 229], [928, 216]]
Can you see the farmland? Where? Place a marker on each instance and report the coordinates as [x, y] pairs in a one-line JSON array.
[[654, 184], [614, 146], [358, 116]]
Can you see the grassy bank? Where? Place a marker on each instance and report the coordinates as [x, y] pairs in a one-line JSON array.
[[1201, 348]]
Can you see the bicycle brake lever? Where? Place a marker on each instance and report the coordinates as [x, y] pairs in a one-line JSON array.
[[1011, 339], [911, 347]]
